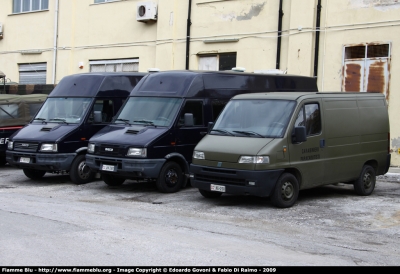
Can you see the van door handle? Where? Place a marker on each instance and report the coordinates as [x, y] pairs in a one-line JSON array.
[[322, 143]]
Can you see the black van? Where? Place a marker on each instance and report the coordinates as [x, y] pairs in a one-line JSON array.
[[56, 139], [153, 135]]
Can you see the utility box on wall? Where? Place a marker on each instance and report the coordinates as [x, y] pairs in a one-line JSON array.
[[146, 11]]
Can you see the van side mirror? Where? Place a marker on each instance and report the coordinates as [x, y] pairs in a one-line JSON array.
[[188, 120], [299, 135], [97, 116], [210, 126]]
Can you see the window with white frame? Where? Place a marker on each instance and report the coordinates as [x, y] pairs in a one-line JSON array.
[[219, 62], [121, 65], [20, 6]]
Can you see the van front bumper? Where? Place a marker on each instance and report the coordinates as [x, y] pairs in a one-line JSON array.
[[240, 182], [41, 161], [129, 168]]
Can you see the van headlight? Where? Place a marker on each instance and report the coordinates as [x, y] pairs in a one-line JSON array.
[[198, 155], [137, 152], [49, 148], [254, 160], [90, 148], [10, 145]]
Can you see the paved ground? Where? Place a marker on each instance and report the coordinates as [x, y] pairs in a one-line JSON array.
[[55, 222]]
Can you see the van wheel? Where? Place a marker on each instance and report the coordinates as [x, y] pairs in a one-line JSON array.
[[365, 184], [80, 173], [171, 178], [210, 194], [286, 191], [34, 174], [112, 180]]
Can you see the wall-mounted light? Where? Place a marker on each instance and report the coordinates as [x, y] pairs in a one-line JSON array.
[[225, 40], [80, 65]]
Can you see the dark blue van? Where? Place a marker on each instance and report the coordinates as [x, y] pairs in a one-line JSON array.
[[153, 135], [56, 139]]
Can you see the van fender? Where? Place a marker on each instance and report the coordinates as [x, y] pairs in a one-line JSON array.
[[182, 161], [81, 150]]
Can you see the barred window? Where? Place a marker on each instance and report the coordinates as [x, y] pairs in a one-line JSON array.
[[122, 65]]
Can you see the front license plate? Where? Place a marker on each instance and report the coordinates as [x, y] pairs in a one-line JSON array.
[[108, 168], [218, 188], [24, 160]]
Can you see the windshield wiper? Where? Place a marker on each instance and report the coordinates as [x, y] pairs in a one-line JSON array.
[[123, 120], [144, 122], [41, 119], [248, 133], [59, 119], [223, 131]]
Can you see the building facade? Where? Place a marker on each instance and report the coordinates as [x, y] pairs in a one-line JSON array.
[[348, 45]]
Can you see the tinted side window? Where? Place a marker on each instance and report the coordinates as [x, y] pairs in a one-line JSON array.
[[309, 116], [106, 107], [217, 107], [196, 108]]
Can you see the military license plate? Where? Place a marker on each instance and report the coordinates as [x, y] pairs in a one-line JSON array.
[[108, 168], [24, 160], [217, 188]]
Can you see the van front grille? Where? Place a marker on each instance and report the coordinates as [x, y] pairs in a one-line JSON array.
[[110, 150], [26, 147]]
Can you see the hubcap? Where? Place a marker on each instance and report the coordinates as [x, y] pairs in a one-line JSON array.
[[83, 170], [367, 180], [171, 177], [287, 191]]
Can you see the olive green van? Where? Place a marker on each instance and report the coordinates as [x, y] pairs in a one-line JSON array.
[[276, 144]]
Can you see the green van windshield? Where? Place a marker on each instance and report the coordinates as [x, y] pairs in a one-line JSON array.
[[255, 118]]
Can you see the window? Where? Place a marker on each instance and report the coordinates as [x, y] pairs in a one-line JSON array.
[[309, 117], [32, 73], [8, 111], [220, 62], [20, 6], [106, 108], [366, 68], [195, 108], [122, 65]]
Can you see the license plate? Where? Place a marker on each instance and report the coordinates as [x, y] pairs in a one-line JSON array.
[[24, 160], [218, 188], [108, 168]]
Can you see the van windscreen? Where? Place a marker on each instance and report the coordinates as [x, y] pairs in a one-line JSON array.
[[255, 118], [154, 111]]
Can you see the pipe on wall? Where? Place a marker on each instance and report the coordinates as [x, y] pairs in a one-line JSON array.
[[189, 23], [55, 41], [317, 32], [278, 49]]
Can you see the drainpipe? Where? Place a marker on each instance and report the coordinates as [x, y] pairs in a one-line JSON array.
[[278, 50], [55, 41], [319, 8], [188, 35]]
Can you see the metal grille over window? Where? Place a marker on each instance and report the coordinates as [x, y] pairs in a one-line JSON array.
[[122, 65], [32, 73]]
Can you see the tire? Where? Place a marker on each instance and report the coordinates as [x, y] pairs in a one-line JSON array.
[[365, 184], [286, 191], [112, 180], [80, 173], [171, 178], [34, 174], [210, 194]]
